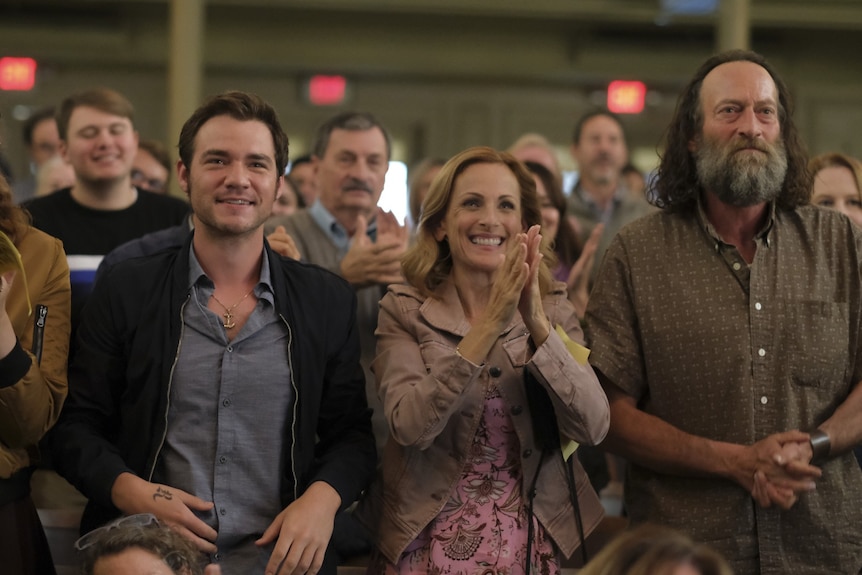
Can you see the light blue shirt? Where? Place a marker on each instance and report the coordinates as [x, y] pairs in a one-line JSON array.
[[336, 231]]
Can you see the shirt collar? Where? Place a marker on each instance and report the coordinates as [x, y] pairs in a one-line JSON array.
[[603, 214], [330, 226], [263, 289], [706, 225]]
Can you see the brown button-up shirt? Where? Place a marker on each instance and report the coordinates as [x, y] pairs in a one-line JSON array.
[[734, 353]]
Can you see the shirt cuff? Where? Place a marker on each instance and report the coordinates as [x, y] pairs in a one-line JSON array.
[[14, 366]]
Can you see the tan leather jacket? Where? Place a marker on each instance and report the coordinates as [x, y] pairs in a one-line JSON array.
[[433, 401], [31, 406]]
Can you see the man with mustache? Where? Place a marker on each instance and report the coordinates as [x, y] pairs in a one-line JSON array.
[[726, 331], [344, 231], [600, 195]]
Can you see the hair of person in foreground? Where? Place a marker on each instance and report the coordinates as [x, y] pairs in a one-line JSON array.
[[112, 543], [656, 550]]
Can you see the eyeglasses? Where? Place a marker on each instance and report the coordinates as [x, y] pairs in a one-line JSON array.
[[140, 180], [139, 520]]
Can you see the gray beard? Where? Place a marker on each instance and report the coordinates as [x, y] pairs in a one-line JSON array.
[[739, 179]]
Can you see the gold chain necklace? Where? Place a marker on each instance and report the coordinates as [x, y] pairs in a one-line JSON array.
[[228, 315]]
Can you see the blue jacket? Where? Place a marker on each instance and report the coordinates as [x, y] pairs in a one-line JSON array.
[[116, 416]]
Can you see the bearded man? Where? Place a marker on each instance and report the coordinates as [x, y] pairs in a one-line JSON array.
[[726, 330]]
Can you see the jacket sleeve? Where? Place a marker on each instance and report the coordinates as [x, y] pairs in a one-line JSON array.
[[420, 384], [30, 405], [82, 444], [580, 404], [345, 453]]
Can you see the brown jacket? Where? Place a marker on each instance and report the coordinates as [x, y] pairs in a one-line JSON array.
[[31, 406], [432, 399]]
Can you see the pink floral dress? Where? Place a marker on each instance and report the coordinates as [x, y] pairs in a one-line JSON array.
[[482, 529]]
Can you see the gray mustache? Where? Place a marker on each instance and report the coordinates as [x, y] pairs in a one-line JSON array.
[[354, 184]]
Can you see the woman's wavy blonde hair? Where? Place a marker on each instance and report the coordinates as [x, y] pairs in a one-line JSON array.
[[428, 262]]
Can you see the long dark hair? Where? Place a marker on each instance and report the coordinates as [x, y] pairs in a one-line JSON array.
[[676, 186], [566, 244]]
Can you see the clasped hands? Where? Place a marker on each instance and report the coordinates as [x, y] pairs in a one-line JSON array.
[[777, 469]]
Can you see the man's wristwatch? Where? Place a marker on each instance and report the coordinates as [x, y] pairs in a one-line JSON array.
[[821, 445]]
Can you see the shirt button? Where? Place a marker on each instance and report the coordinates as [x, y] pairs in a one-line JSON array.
[[217, 557], [223, 511], [736, 266], [222, 459], [495, 371], [757, 306], [517, 410], [764, 400], [761, 352], [528, 453], [226, 403], [229, 348]]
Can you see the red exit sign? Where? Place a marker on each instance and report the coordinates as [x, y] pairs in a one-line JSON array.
[[17, 73], [626, 97]]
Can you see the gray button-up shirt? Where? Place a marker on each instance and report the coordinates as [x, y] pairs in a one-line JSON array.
[[228, 418]]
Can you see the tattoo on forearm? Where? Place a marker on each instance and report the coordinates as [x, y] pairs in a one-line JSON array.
[[162, 493]]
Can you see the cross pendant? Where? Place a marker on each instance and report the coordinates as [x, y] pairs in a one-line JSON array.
[[228, 317]]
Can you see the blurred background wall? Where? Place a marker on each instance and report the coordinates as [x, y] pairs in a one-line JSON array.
[[441, 74]]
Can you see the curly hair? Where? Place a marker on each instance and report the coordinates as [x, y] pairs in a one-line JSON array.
[[428, 262], [179, 554], [677, 186]]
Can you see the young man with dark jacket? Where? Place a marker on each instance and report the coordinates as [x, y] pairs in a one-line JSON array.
[[218, 386]]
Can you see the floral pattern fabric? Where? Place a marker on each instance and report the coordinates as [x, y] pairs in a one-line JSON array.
[[482, 529]]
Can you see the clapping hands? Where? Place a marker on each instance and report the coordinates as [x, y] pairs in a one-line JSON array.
[[370, 262], [517, 285]]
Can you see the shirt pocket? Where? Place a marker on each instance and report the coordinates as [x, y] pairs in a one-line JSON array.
[[434, 352], [816, 339], [516, 347]]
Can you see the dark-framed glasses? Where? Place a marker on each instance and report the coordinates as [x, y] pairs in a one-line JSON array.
[[138, 520]]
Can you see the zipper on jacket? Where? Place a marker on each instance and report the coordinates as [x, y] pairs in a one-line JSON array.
[[295, 406], [170, 383]]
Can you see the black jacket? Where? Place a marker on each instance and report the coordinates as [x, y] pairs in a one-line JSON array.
[[116, 416]]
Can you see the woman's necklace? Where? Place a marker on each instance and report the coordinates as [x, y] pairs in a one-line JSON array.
[[228, 311]]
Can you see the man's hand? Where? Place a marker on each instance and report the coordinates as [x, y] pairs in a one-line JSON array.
[[366, 262], [281, 243], [173, 507], [776, 469], [302, 532]]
